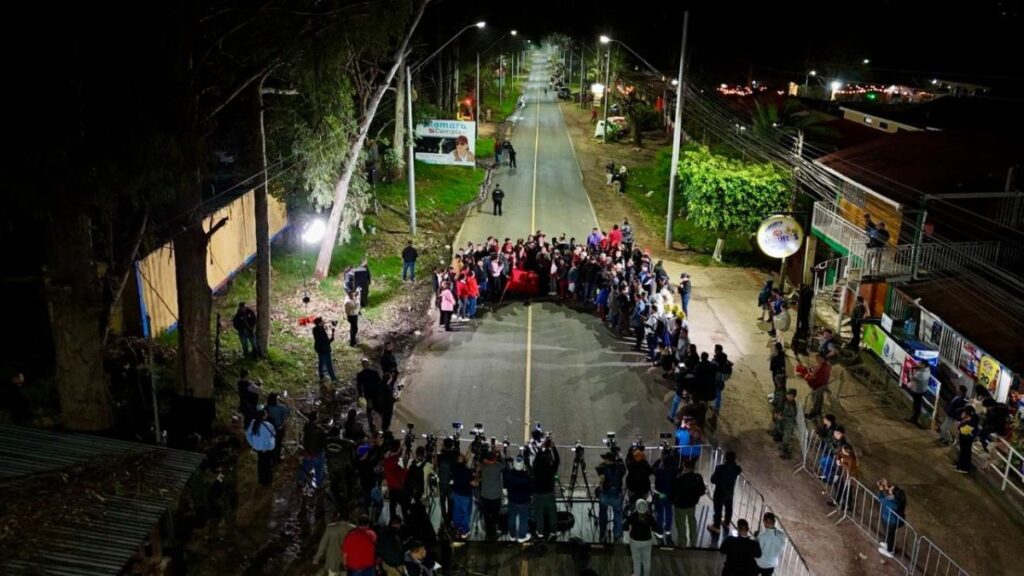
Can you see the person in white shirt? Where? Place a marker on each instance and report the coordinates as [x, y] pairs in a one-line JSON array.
[[772, 541]]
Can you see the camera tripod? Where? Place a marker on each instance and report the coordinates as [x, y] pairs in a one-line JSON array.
[[579, 470]]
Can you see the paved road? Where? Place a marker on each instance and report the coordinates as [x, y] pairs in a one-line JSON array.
[[522, 364]]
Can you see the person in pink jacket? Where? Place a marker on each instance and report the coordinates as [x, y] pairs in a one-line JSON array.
[[447, 306]]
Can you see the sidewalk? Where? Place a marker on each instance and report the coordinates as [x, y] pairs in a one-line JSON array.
[[960, 514]]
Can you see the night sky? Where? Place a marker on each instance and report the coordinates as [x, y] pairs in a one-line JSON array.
[[904, 40]]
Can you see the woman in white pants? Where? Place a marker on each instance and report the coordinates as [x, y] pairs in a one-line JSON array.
[[641, 538]]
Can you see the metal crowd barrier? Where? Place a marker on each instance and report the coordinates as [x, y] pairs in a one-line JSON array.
[[864, 509], [930, 560]]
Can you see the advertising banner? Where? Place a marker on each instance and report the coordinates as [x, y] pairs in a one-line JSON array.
[[970, 358], [449, 142], [874, 339], [988, 373]]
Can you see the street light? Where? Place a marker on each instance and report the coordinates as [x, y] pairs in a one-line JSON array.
[[807, 77], [866, 61], [514, 32], [607, 82], [835, 85], [411, 169], [314, 231]]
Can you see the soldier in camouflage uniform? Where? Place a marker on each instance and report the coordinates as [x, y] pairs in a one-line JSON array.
[[777, 401], [341, 458], [787, 423]]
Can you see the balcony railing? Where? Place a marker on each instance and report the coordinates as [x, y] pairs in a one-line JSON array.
[[899, 260]]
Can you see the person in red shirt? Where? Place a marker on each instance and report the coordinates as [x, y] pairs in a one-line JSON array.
[[817, 378], [359, 549], [472, 295], [604, 243], [615, 237], [394, 477], [461, 294]]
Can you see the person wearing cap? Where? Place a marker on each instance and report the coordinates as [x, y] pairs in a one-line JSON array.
[[520, 489], [611, 473], [641, 538]]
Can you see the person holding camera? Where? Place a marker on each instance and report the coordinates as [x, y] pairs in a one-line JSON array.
[[893, 514], [687, 490], [490, 472], [322, 347], [611, 473], [545, 468], [519, 488], [445, 463], [666, 469], [638, 474]]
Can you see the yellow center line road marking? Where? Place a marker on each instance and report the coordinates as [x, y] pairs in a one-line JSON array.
[[529, 311]]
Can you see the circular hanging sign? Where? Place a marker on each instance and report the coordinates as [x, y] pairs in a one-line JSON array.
[[780, 236]]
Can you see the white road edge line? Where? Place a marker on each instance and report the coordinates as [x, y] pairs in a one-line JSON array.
[[578, 166]]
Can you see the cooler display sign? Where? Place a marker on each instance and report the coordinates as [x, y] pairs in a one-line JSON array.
[[780, 236]]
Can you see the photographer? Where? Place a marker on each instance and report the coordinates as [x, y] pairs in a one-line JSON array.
[[445, 462], [395, 474], [545, 468], [417, 482], [611, 473], [519, 487], [322, 346], [244, 322], [463, 483], [490, 472], [665, 471], [638, 474]]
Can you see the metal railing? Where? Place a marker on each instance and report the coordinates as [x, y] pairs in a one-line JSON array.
[[862, 507], [899, 260], [930, 560]]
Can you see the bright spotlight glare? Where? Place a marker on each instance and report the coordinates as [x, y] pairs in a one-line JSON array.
[[314, 231], [481, 24]]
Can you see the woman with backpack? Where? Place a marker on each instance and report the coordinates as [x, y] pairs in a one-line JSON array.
[[260, 435]]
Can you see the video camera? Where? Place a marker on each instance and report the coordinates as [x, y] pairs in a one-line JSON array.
[[665, 438], [610, 443], [430, 444], [456, 432], [638, 444], [410, 437]]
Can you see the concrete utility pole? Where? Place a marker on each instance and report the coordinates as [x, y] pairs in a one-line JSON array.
[[676, 136], [476, 95], [607, 87]]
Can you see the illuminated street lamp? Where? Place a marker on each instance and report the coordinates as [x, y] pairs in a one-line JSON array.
[[835, 85], [314, 231], [808, 76], [866, 61]]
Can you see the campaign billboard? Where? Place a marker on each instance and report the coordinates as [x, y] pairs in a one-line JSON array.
[[449, 142]]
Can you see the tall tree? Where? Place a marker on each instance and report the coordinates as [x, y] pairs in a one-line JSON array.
[[725, 195], [323, 262]]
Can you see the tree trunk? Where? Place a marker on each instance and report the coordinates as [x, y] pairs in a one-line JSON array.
[[719, 248], [262, 241], [398, 143], [76, 309], [323, 261], [195, 347]]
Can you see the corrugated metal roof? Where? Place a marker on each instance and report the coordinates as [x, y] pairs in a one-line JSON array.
[[103, 533]]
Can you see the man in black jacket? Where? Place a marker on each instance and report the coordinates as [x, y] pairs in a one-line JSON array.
[[322, 346], [707, 379], [687, 490], [409, 256], [370, 388], [497, 195], [741, 552], [724, 479], [244, 322], [545, 467]]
